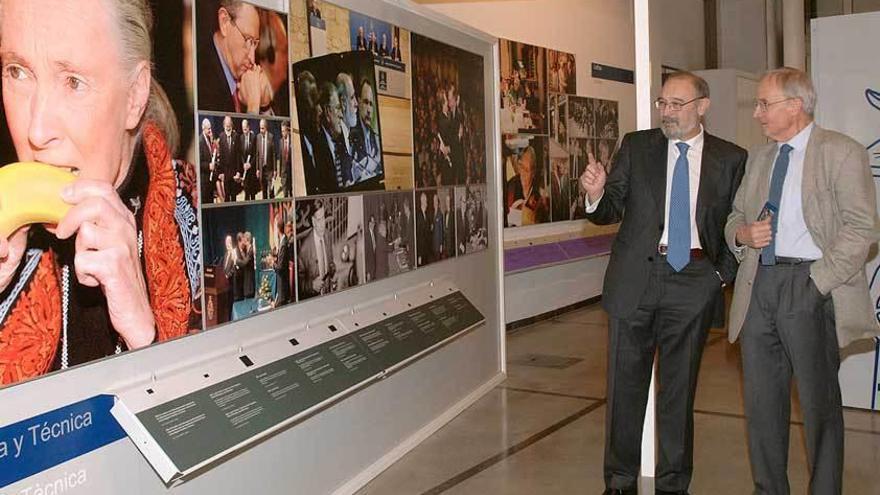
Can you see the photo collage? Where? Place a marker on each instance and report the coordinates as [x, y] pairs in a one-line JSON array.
[[548, 134], [271, 161], [327, 191]]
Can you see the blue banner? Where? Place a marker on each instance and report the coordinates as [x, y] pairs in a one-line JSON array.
[[45, 441]]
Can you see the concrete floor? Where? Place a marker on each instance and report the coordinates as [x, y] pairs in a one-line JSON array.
[[542, 430]]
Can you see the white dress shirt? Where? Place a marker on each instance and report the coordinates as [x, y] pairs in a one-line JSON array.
[[793, 240], [695, 161]]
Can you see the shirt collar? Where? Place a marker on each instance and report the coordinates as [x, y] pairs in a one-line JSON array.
[[800, 140]]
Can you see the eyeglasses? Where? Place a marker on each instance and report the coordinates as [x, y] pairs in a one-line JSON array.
[[251, 42], [673, 106], [764, 105]]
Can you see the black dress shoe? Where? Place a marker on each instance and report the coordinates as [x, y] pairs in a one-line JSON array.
[[664, 492], [617, 491]]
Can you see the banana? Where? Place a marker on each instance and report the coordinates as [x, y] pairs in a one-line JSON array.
[[30, 192]]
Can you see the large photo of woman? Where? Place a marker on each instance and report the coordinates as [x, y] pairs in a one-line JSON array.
[[122, 269]]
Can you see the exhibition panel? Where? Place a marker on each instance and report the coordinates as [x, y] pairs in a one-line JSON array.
[[340, 240]]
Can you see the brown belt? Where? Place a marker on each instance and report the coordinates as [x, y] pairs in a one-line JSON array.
[[696, 253]]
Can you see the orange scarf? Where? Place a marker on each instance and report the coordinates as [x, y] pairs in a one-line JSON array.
[[29, 338]]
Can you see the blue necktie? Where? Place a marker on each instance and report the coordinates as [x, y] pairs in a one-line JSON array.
[[678, 253], [777, 180]]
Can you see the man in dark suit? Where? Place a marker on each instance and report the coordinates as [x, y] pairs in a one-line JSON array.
[[365, 143], [383, 251], [282, 263], [671, 189], [206, 161], [451, 131], [332, 160], [248, 266], [370, 242], [228, 158], [423, 232], [316, 270], [286, 172], [437, 229], [407, 238], [462, 227], [266, 159], [361, 39], [246, 150], [449, 227], [229, 78]]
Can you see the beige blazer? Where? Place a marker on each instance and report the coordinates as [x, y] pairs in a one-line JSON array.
[[840, 212]]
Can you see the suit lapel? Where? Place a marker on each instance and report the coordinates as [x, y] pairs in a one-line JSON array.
[[656, 164], [709, 169]]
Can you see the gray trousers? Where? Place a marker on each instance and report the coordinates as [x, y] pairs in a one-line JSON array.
[[789, 332]]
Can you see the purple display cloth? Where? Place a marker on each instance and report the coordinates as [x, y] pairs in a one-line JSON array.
[[530, 257]]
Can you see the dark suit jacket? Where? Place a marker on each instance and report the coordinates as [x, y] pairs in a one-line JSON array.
[[266, 162], [214, 94], [228, 160], [383, 251], [205, 169], [423, 238], [449, 232], [247, 146], [635, 195], [248, 273], [370, 245], [282, 271]]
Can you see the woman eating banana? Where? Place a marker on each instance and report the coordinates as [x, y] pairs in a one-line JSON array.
[[121, 268]]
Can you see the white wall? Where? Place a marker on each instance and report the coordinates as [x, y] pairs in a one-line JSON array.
[[742, 35]]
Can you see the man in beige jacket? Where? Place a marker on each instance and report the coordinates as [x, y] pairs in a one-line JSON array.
[[802, 222]]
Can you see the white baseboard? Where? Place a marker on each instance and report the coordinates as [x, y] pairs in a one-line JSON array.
[[384, 462]]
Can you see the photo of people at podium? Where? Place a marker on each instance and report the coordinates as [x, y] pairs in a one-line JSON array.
[[244, 159], [242, 246], [523, 88], [389, 236], [242, 53], [330, 245], [448, 115]]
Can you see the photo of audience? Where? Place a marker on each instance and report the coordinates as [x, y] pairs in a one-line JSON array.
[[562, 71], [244, 159], [526, 191], [340, 134], [523, 88], [448, 115], [242, 53], [389, 237], [330, 245], [471, 219]]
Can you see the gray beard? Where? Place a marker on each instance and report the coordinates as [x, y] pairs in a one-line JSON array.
[[672, 131]]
